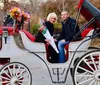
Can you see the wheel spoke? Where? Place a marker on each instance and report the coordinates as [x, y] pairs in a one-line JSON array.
[[3, 82], [21, 73], [88, 65], [85, 81], [23, 84], [23, 80], [23, 76], [14, 66], [84, 75], [95, 83], [4, 77], [98, 83], [81, 77], [99, 61], [7, 74], [92, 82], [10, 71], [86, 70], [18, 70], [93, 62], [8, 84]]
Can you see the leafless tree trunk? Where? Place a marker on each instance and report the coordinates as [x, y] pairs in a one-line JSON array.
[[61, 5], [35, 4], [5, 2], [64, 4]]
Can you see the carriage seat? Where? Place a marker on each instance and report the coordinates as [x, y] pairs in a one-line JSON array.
[[29, 35], [29, 42], [85, 35], [72, 46]]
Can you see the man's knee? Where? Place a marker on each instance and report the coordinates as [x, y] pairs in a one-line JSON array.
[[60, 44]]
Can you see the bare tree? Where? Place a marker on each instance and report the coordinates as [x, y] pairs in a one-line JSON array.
[[96, 3], [6, 3], [35, 4], [64, 4]]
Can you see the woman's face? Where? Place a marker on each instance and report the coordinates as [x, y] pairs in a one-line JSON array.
[[52, 20]]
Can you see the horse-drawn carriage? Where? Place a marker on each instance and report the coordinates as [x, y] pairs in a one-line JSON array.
[[29, 65]]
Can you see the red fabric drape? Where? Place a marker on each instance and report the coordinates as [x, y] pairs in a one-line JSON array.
[[80, 3]]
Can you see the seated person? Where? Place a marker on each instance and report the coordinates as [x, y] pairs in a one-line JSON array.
[[51, 18], [67, 33]]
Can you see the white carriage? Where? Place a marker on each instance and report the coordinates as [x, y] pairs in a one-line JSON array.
[[29, 65]]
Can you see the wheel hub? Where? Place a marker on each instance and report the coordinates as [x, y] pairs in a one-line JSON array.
[[14, 81], [97, 75]]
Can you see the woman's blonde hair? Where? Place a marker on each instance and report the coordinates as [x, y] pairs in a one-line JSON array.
[[50, 15]]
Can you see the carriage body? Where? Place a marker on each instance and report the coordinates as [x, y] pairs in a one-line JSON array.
[[29, 65], [37, 68]]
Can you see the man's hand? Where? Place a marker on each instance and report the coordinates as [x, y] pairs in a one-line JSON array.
[[63, 40]]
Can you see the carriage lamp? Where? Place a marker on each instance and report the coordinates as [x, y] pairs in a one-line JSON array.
[[5, 34]]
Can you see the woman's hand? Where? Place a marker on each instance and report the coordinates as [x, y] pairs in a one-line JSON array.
[[55, 40], [48, 41]]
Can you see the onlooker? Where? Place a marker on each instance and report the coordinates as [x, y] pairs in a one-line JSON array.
[[8, 21], [14, 18]]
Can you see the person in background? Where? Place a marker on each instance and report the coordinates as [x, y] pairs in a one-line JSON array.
[[51, 19], [14, 18], [69, 29], [8, 21]]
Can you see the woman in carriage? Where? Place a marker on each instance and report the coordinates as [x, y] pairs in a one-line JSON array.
[[52, 55]]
